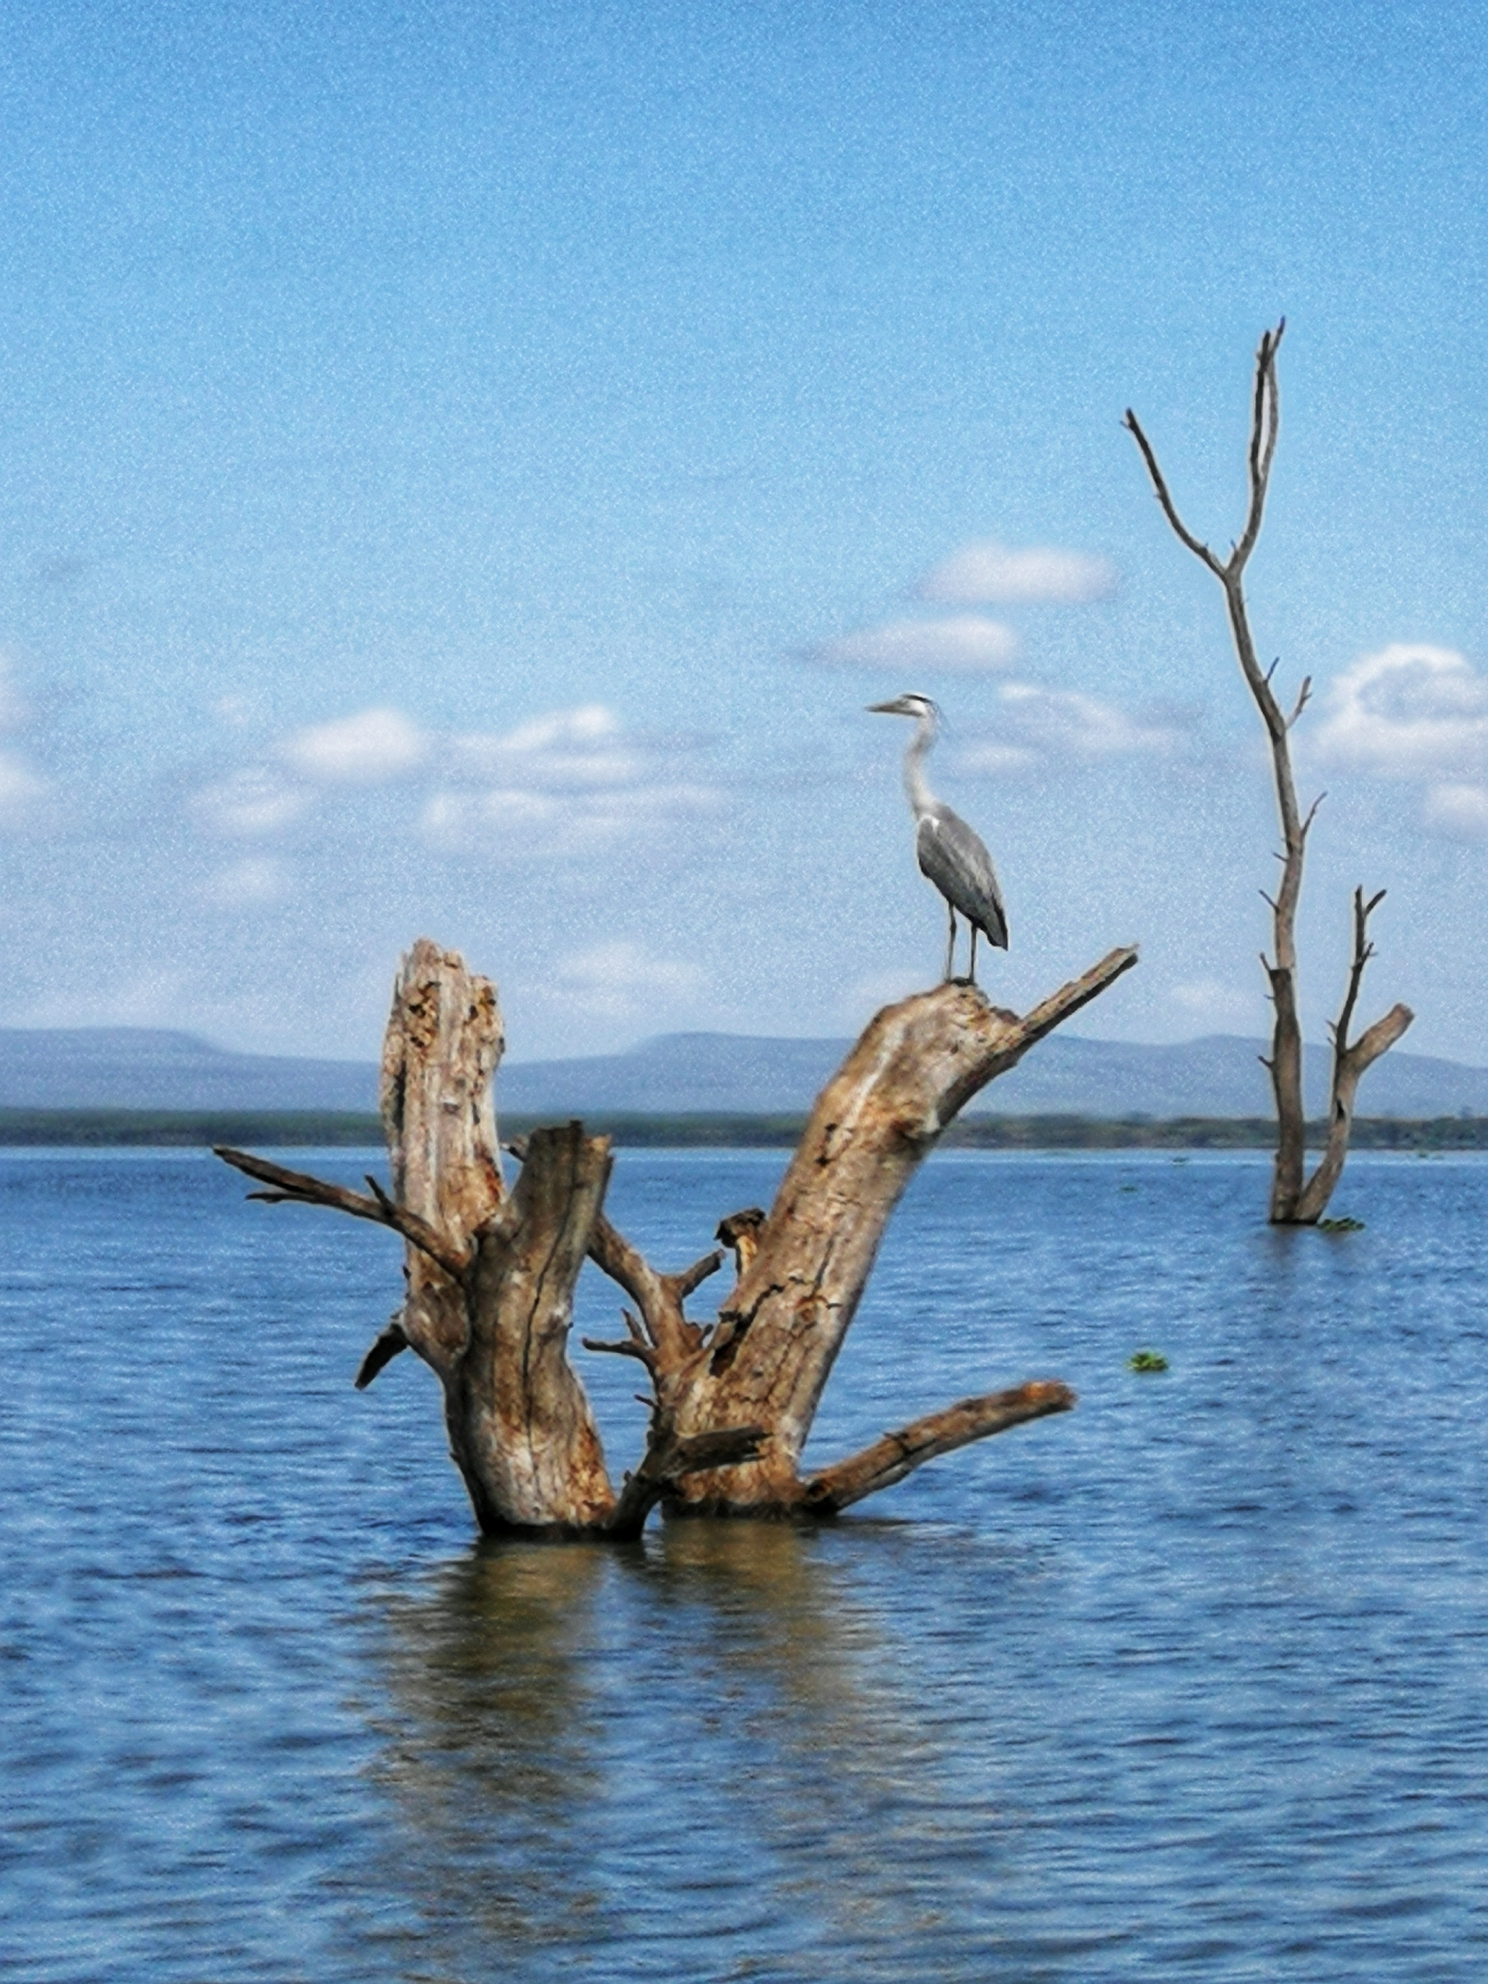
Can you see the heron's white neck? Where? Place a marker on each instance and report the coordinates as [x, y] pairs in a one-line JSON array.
[[921, 798]]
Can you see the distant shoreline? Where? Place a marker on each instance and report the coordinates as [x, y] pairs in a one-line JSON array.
[[164, 1129]]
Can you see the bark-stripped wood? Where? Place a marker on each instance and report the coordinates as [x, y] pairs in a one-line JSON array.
[[442, 1046], [1350, 1060], [1295, 1201], [491, 1273], [888, 1460], [520, 1427], [916, 1066]]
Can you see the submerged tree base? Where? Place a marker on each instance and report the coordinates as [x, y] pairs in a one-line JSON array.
[[491, 1270]]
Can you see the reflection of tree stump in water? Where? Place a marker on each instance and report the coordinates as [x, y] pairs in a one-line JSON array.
[[499, 1744], [542, 1786], [491, 1272]]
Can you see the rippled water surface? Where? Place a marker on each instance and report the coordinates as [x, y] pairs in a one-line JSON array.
[[1190, 1682]]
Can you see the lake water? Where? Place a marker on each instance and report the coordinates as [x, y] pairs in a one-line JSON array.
[[1190, 1682]]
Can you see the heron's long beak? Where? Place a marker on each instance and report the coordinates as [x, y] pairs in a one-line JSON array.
[[882, 709]]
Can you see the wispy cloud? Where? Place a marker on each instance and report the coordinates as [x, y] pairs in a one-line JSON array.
[[569, 782], [565, 749], [365, 749], [253, 883], [21, 789], [251, 804], [509, 823], [143, 998], [1210, 1003], [1037, 725], [965, 645], [1459, 811], [988, 573], [618, 981]]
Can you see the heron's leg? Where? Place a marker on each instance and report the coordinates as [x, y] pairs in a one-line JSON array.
[[951, 946], [973, 953]]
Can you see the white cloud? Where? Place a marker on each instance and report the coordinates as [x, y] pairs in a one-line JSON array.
[[617, 981], [364, 749], [251, 883], [1460, 811], [1414, 711], [967, 644], [1037, 724], [567, 782], [252, 803], [991, 574], [1408, 709]]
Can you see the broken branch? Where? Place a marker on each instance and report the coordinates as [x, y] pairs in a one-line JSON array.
[[888, 1460], [668, 1457], [385, 1347]]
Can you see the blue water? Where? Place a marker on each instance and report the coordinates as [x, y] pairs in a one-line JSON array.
[[1191, 1682]]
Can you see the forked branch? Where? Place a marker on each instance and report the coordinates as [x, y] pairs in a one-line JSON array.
[[1351, 1059], [1363, 952], [659, 1297]]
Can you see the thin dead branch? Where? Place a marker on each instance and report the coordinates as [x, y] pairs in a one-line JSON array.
[[300, 1188]]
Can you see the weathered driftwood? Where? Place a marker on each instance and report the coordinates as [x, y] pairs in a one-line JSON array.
[[491, 1272], [1295, 1199]]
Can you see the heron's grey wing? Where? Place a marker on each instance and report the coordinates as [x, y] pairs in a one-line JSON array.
[[953, 857]]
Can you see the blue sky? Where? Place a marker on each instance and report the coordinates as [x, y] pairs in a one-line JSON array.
[[467, 467]]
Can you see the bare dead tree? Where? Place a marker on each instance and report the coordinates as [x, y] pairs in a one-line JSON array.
[[490, 1271], [1295, 1199]]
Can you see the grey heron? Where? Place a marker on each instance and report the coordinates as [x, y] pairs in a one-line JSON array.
[[950, 854]]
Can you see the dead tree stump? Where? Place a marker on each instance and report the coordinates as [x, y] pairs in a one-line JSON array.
[[491, 1272]]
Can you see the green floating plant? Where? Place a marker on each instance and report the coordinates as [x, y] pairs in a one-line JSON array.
[[1146, 1360], [1340, 1225]]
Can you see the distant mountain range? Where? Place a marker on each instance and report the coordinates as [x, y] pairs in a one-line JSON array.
[[680, 1074], [128, 1067]]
